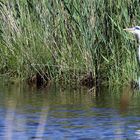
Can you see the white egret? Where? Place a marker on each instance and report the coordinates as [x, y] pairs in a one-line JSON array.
[[136, 31]]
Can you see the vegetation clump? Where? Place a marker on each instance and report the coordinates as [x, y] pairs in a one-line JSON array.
[[68, 39]]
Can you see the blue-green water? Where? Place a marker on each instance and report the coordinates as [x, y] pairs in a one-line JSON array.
[[56, 114]]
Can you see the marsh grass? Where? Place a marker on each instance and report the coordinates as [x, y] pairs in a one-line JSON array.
[[68, 38]]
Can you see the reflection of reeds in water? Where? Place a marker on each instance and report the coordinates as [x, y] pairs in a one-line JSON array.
[[16, 123], [125, 98], [42, 122], [11, 103], [9, 120]]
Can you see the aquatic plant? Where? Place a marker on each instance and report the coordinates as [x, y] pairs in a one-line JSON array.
[[67, 39]]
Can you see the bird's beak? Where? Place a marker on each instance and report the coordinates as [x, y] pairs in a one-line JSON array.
[[131, 30]]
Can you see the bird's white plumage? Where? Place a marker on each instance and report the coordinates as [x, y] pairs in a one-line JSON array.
[[136, 30], [139, 82], [137, 33], [139, 52]]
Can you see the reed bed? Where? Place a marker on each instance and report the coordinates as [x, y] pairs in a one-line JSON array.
[[68, 38]]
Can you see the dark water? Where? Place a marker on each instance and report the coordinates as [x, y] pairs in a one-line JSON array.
[[56, 114]]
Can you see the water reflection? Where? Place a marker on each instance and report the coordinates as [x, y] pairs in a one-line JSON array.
[[55, 114], [125, 99]]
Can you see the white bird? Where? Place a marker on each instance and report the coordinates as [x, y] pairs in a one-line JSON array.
[[136, 31]]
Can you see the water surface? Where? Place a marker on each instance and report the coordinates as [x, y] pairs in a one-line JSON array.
[[56, 114]]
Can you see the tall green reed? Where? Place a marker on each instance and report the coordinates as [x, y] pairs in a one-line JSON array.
[[67, 38]]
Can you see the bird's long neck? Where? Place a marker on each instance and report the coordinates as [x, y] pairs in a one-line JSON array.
[[137, 50], [138, 59], [139, 54]]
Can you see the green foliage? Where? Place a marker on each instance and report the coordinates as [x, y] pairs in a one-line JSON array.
[[68, 37]]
